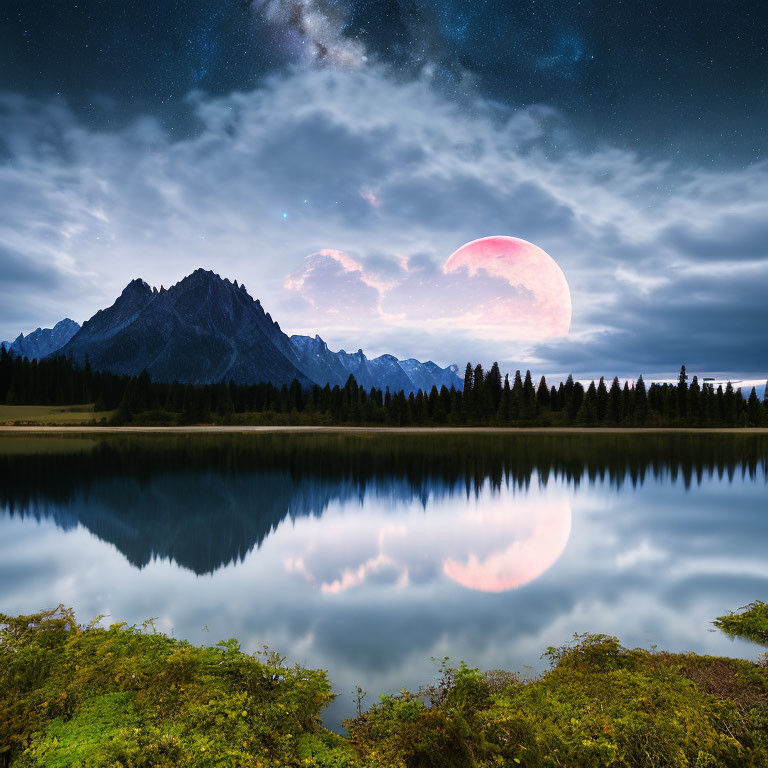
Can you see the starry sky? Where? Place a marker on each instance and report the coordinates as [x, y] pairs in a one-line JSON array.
[[332, 154]]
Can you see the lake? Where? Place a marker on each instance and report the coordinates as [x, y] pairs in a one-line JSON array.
[[376, 555]]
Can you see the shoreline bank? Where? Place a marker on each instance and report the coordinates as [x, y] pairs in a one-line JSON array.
[[227, 429]]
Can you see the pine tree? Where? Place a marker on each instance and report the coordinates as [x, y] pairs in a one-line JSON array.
[[480, 394], [435, 409], [567, 398], [516, 400], [754, 410], [576, 400], [694, 401], [626, 404], [602, 401], [468, 382], [682, 393], [588, 411], [729, 406], [614, 402], [640, 406], [542, 394], [493, 387], [529, 397], [505, 406]]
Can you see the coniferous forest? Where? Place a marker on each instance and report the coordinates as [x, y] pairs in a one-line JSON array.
[[487, 400]]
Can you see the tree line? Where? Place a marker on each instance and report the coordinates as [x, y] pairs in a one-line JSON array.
[[487, 399]]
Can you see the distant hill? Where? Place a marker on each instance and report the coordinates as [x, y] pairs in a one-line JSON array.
[[206, 329], [43, 341]]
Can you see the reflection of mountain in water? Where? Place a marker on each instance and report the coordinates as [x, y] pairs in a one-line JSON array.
[[203, 521], [201, 518], [205, 502]]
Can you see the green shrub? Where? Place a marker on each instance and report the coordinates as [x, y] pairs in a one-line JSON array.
[[126, 697], [123, 696], [600, 705], [751, 622]]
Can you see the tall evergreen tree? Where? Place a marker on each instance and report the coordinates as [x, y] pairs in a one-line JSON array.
[[588, 411], [493, 387], [480, 395], [626, 404], [542, 394], [529, 397], [554, 397], [505, 406], [693, 408], [614, 402], [640, 406], [729, 405], [682, 393], [468, 377], [754, 410], [602, 401]]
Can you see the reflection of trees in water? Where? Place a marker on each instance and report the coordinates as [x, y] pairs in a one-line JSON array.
[[206, 500]]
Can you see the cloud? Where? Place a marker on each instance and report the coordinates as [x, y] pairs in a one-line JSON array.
[[664, 263], [413, 291]]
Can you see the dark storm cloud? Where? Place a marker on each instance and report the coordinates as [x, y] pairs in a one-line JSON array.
[[737, 237], [711, 322], [26, 283], [20, 273]]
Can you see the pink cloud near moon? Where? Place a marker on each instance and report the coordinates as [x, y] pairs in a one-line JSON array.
[[498, 287]]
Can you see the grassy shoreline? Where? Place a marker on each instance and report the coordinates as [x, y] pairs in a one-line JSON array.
[[59, 428], [129, 697]]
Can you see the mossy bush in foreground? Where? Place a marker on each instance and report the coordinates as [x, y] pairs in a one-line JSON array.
[[74, 696], [126, 697], [600, 705]]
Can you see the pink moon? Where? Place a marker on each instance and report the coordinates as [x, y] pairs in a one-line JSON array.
[[541, 305]]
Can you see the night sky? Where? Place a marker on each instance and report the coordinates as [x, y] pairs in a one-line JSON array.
[[332, 155]]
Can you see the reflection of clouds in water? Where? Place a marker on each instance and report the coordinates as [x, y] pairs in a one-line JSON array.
[[383, 631], [491, 542]]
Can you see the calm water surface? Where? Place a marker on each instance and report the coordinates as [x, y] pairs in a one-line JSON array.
[[370, 556]]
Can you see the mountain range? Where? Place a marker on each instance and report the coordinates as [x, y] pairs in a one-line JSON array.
[[206, 329], [43, 341]]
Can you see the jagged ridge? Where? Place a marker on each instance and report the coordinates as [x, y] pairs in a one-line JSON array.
[[206, 329], [43, 341]]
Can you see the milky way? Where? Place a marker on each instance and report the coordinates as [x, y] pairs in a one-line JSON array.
[[683, 80]]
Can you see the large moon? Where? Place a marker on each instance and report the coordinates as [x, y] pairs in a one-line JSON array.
[[541, 305]]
